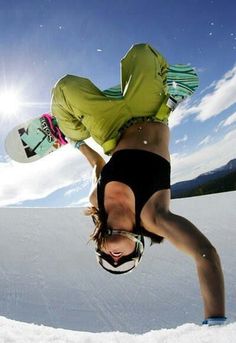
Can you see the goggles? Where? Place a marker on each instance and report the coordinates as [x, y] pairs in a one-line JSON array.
[[125, 263]]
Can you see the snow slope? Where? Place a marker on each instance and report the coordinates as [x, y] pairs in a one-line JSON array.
[[48, 275], [16, 332]]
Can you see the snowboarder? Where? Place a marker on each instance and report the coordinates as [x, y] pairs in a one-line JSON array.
[[132, 193]]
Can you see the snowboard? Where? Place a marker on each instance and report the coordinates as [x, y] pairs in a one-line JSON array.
[[41, 136], [34, 139]]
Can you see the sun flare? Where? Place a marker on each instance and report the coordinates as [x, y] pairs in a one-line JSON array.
[[9, 103]]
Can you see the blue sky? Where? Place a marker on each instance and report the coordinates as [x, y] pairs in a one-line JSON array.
[[43, 40]]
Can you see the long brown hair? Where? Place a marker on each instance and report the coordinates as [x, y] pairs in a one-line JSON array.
[[100, 227], [98, 234]]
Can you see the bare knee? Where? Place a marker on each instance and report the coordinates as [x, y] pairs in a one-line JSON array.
[[65, 80], [137, 50], [139, 46], [59, 85], [69, 80]]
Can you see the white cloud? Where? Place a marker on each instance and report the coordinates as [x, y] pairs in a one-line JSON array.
[[219, 126], [209, 87], [20, 182], [181, 140], [185, 167], [223, 96], [201, 69], [180, 113], [205, 141], [83, 202], [227, 122], [83, 183], [230, 120]]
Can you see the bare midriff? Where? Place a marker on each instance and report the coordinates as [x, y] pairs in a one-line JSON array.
[[153, 137]]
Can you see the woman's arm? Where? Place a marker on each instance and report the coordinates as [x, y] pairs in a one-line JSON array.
[[186, 237], [95, 160], [97, 163]]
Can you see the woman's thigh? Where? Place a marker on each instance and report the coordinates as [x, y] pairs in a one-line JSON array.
[[143, 73]]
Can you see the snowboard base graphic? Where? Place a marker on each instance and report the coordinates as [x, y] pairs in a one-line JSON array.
[[34, 139]]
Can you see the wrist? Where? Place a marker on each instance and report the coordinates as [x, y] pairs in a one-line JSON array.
[[214, 321], [78, 144]]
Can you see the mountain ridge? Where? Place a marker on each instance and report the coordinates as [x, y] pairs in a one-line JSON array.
[[221, 179]]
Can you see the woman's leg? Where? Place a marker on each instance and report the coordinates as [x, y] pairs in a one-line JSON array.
[[82, 109], [78, 95], [143, 79]]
